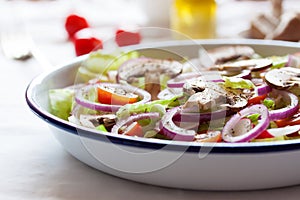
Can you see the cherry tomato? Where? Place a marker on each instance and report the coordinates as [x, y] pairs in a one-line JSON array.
[[75, 23], [108, 97], [263, 135], [209, 136], [124, 38], [295, 120], [134, 129], [87, 45], [256, 99], [294, 135]]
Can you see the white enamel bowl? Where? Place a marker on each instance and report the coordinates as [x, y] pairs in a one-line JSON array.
[[221, 166]]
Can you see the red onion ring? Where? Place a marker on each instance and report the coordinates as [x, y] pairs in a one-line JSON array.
[[245, 74], [287, 111], [263, 89], [79, 97], [293, 61], [201, 117], [253, 133], [217, 80], [133, 118], [290, 61], [179, 80], [282, 131], [169, 93], [173, 131]]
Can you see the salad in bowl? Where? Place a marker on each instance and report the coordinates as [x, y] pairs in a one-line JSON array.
[[229, 94], [203, 115]]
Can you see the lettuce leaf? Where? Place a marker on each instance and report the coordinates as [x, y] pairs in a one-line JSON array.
[[269, 103], [238, 83], [129, 109], [61, 101], [100, 62], [279, 61]]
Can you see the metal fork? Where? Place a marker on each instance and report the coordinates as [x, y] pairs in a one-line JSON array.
[[16, 44], [14, 38]]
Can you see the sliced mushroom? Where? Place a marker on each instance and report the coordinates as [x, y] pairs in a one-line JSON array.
[[92, 121], [204, 101], [205, 96], [224, 54], [151, 70], [193, 86], [137, 68], [251, 64], [236, 99], [283, 78]]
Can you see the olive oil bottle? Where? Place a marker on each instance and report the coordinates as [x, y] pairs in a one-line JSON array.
[[193, 18]]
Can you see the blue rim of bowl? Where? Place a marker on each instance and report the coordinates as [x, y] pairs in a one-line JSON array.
[[191, 147]]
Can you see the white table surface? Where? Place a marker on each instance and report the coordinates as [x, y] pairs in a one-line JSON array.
[[32, 163]]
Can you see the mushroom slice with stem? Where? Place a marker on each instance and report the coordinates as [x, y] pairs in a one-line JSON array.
[[224, 54], [150, 70], [283, 78], [136, 68]]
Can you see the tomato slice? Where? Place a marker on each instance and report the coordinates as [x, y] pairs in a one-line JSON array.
[[256, 99], [75, 23], [124, 38], [134, 129], [209, 136], [87, 45], [263, 135], [109, 96], [294, 135], [295, 120]]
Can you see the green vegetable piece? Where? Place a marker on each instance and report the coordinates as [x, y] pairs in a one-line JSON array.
[[60, 101], [150, 134], [254, 117], [129, 109], [279, 61], [279, 138], [238, 83], [101, 127], [269, 103], [100, 62]]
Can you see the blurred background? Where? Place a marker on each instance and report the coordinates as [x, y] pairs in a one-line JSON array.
[[44, 21]]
